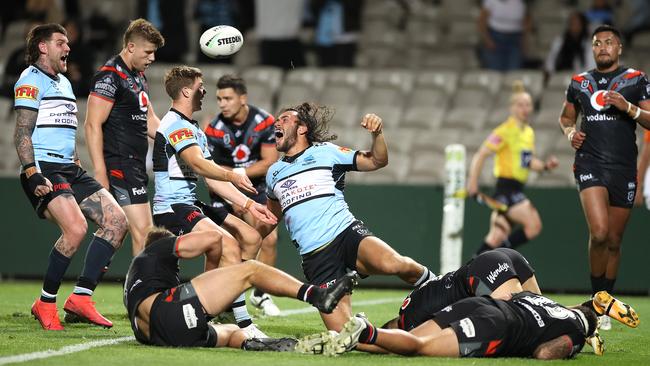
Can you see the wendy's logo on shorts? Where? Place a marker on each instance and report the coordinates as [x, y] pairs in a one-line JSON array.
[[60, 186], [598, 101]]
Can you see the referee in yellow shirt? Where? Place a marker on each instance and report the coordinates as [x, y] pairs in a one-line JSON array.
[[513, 142]]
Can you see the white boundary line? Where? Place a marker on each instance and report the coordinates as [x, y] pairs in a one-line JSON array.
[[108, 342]]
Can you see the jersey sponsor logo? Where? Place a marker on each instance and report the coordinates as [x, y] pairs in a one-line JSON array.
[[189, 313], [309, 159], [492, 276], [180, 135], [106, 86], [600, 117], [406, 303], [26, 92], [598, 101], [586, 177], [288, 184], [139, 191], [143, 101], [360, 229], [467, 326], [538, 318], [603, 80], [241, 153]]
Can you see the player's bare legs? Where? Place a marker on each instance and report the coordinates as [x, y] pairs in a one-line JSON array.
[[140, 222], [526, 215], [65, 212], [506, 289], [499, 230], [606, 226], [249, 239], [376, 257], [531, 285], [230, 251]]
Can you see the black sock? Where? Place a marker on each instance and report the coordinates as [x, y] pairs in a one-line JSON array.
[[368, 335], [483, 248], [608, 284], [306, 293], [257, 292], [56, 267], [99, 255], [597, 283], [515, 239]]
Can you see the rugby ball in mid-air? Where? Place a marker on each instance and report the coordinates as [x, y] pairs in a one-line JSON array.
[[221, 41]]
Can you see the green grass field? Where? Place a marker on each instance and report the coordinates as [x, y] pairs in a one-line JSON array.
[[21, 335]]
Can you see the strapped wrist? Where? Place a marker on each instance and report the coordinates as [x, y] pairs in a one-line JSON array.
[[248, 204]]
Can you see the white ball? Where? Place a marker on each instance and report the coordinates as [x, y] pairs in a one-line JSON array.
[[220, 41]]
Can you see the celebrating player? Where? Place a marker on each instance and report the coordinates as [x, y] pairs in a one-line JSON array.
[[119, 118], [514, 144], [164, 312], [611, 99], [241, 138], [180, 156], [306, 186], [54, 182]]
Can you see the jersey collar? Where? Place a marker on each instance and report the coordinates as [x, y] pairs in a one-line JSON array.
[[292, 158], [183, 116], [53, 77]]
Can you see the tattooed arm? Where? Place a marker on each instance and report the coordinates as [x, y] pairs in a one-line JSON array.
[[25, 124]]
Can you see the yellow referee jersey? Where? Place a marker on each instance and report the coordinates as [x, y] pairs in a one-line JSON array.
[[514, 147]]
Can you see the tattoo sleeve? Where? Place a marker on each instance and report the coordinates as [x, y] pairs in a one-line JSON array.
[[25, 124]]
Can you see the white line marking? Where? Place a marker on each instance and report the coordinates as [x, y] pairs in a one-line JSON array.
[[108, 342], [63, 351]]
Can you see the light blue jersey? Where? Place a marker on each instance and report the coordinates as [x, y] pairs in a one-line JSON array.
[[175, 180], [309, 188], [56, 124]]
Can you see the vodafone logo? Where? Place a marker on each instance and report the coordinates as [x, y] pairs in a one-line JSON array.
[[143, 101], [241, 154], [598, 101]]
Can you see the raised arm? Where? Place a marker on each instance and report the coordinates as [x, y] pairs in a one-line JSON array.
[[97, 113], [193, 156], [377, 157]]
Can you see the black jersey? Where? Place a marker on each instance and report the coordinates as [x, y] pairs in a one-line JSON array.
[[154, 270], [534, 319], [241, 146], [125, 130], [611, 137]]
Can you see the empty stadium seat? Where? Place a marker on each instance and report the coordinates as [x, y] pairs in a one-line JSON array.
[[487, 80], [533, 81], [466, 119], [445, 80]]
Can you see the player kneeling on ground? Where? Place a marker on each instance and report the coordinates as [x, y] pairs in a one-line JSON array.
[[164, 312]]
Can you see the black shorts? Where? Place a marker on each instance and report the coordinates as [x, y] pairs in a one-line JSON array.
[[331, 261], [66, 179], [177, 319], [620, 183], [509, 191], [480, 326], [185, 217], [128, 183], [493, 268]]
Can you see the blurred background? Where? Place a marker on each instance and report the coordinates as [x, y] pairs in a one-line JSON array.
[[426, 66]]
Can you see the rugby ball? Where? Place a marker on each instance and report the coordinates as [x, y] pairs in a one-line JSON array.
[[221, 41]]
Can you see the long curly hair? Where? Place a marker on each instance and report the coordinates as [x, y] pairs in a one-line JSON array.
[[317, 119]]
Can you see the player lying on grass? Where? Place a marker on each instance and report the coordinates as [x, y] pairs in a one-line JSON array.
[[165, 312], [526, 325], [498, 273]]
